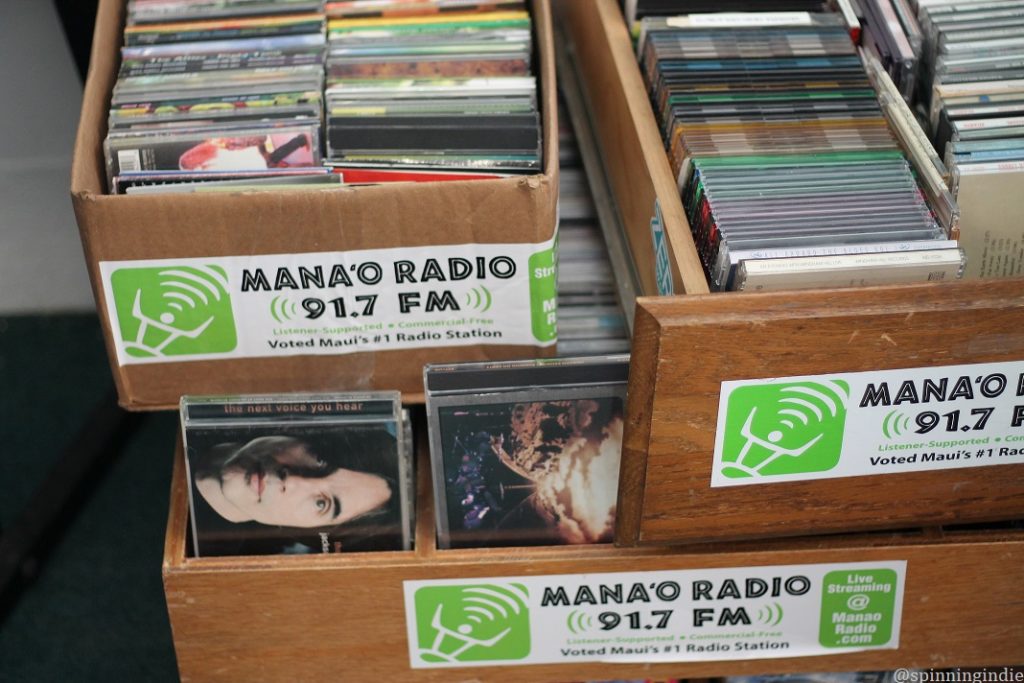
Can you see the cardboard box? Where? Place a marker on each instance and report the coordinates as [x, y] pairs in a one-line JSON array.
[[475, 215]]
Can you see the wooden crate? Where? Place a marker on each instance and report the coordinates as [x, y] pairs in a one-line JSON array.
[[341, 617], [685, 346], [700, 341]]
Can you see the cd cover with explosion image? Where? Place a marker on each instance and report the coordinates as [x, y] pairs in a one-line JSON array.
[[532, 473]]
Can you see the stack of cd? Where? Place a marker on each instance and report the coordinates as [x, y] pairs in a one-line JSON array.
[[974, 78], [568, 148], [972, 97], [217, 89], [749, 89], [432, 84], [783, 152], [888, 28], [752, 216], [891, 32], [590, 319]]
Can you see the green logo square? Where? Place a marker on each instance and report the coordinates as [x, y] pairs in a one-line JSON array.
[[544, 295], [858, 607], [174, 311], [472, 623], [784, 428]]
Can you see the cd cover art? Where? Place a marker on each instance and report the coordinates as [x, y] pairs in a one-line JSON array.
[[528, 471], [268, 478]]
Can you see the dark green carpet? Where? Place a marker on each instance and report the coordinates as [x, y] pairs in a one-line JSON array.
[[95, 611], [52, 370]]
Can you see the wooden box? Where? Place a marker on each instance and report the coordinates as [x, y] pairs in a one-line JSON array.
[[685, 347], [341, 617]]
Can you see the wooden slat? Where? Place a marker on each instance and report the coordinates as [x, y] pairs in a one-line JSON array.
[[177, 517], [685, 347], [962, 607], [635, 159], [341, 617], [636, 438]]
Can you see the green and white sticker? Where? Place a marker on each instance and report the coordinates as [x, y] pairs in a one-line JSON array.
[[864, 423], [661, 616], [173, 310]]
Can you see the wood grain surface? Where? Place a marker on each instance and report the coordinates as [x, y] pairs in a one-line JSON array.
[[635, 159], [342, 618], [685, 347]]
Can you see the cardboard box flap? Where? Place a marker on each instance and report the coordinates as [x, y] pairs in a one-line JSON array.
[[87, 167]]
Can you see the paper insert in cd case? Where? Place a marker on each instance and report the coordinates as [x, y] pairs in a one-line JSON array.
[[526, 452], [298, 474]]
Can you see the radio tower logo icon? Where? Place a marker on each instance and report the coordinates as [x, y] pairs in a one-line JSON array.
[[472, 623], [174, 311], [784, 428]]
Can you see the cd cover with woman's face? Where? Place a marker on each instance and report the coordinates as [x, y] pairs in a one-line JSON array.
[[285, 482]]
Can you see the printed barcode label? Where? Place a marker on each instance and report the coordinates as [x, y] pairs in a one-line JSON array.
[[128, 161]]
